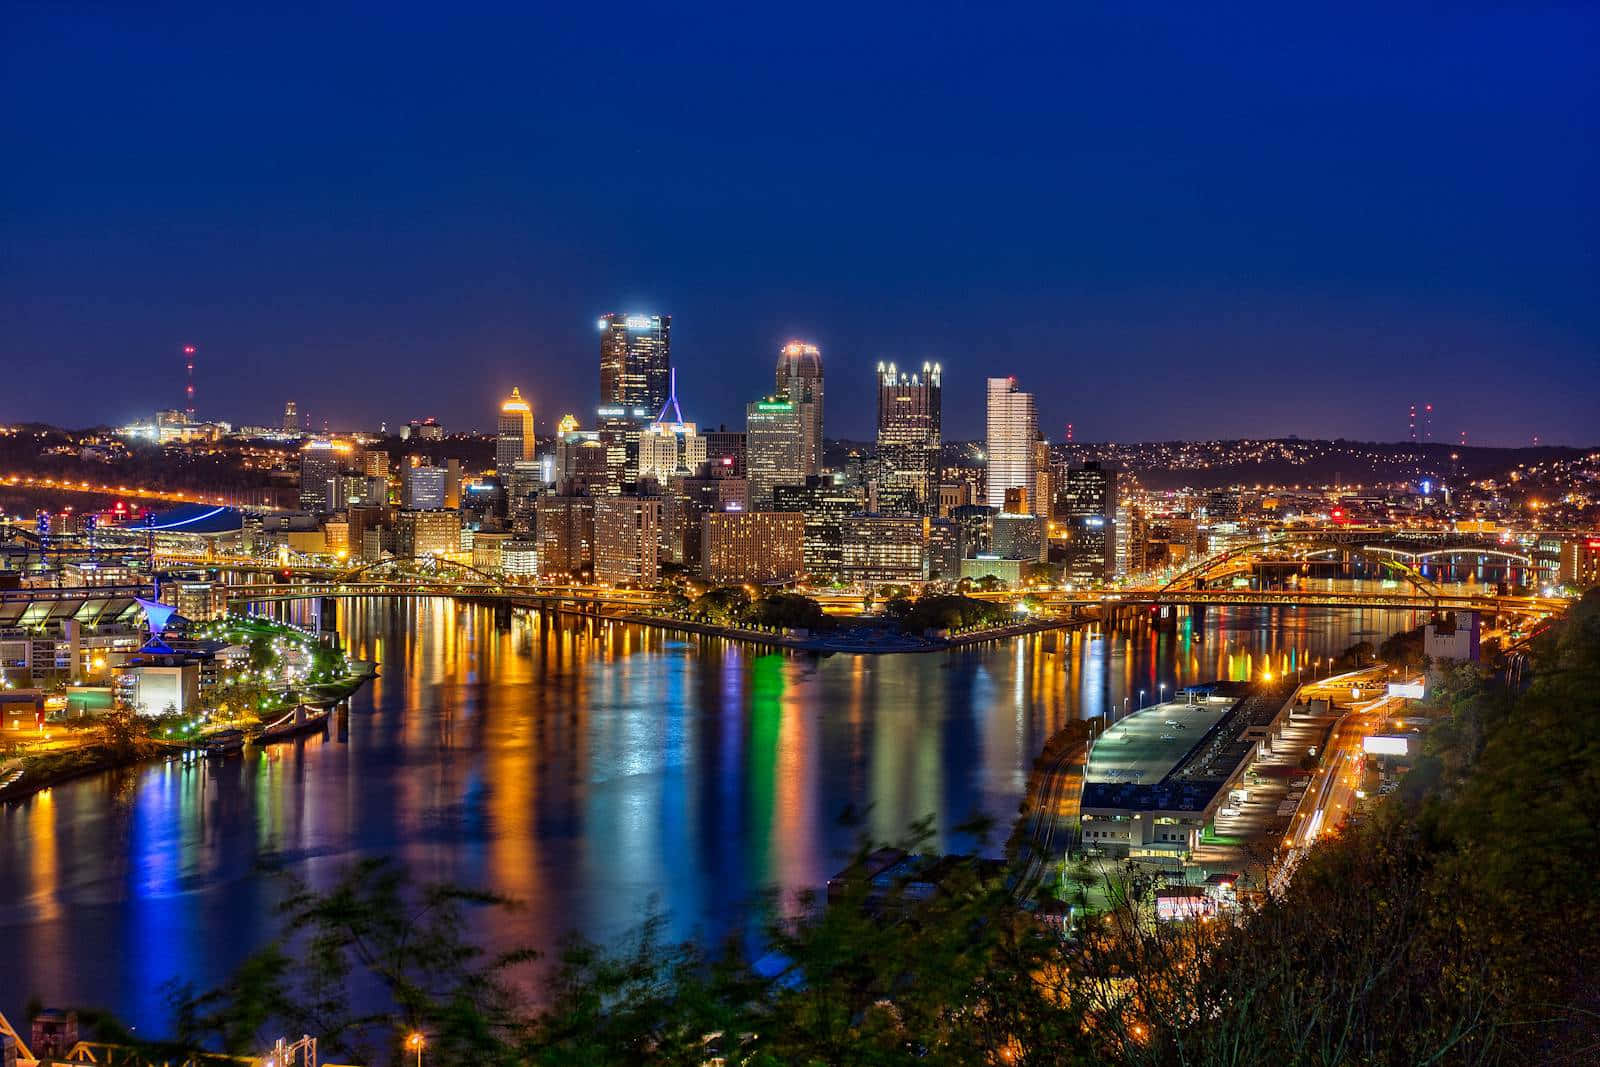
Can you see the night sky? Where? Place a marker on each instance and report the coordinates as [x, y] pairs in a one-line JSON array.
[[1199, 223]]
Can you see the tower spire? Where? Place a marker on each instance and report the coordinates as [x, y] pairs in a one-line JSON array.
[[672, 398]]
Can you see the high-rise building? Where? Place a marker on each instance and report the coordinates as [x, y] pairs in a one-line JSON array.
[[426, 487], [291, 418], [827, 507], [884, 548], [320, 463], [686, 502], [669, 445], [799, 378], [752, 546], [774, 447], [431, 532], [909, 436], [515, 439], [1013, 427], [1087, 507], [566, 536], [626, 538], [635, 361]]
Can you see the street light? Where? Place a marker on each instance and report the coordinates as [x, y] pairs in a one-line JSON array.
[[1141, 699], [1160, 689], [416, 1042]]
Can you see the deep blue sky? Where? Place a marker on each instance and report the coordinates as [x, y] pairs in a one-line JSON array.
[[1167, 220]]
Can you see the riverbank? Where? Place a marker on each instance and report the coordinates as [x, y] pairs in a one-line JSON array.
[[45, 770], [853, 640], [48, 769]]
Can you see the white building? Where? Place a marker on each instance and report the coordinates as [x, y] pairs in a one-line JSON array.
[[1013, 428]]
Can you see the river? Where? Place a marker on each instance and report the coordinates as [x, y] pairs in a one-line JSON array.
[[590, 771]]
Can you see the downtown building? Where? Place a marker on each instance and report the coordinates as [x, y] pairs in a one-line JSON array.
[[1086, 508], [752, 546], [1013, 431], [635, 384], [910, 428], [799, 379], [514, 438], [627, 535], [670, 446], [565, 525], [827, 507], [884, 548], [774, 447]]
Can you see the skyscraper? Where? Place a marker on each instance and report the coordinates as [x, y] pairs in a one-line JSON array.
[[291, 418], [774, 447], [799, 377], [635, 361], [670, 445], [1087, 506], [909, 437], [1013, 428], [515, 439]]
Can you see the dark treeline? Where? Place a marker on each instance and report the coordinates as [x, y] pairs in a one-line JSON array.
[[1457, 925]]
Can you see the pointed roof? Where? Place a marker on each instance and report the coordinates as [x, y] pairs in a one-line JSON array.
[[672, 401]]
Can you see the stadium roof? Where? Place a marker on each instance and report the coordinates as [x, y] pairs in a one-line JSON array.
[[201, 520]]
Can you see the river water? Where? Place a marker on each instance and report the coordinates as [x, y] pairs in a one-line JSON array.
[[590, 771]]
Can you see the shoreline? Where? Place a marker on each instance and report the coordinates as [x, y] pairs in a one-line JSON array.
[[97, 759], [815, 643]]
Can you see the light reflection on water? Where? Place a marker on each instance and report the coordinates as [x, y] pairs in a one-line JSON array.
[[584, 770]]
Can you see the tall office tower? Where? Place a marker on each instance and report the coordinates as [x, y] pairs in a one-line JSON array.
[[320, 463], [1013, 428], [909, 429], [1087, 505], [800, 379], [670, 445], [635, 361], [291, 418], [774, 448], [515, 439], [827, 506]]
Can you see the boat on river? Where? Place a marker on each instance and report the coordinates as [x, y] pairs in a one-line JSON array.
[[299, 722]]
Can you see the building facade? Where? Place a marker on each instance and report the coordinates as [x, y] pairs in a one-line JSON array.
[[1013, 427], [799, 378], [635, 361], [627, 536], [514, 439], [910, 429], [752, 546]]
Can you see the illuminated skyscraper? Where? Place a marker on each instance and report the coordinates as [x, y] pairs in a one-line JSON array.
[[291, 418], [909, 437], [635, 361], [799, 378], [1013, 429], [515, 439], [670, 445], [774, 447]]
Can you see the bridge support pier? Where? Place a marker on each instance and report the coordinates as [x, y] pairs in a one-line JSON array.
[[1165, 619], [1197, 616]]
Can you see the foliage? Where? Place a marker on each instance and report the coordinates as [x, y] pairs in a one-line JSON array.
[[952, 612], [788, 610], [723, 604]]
